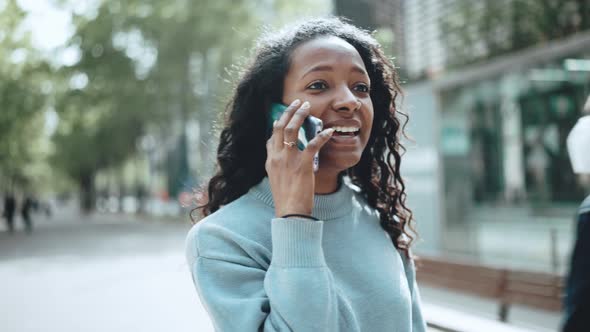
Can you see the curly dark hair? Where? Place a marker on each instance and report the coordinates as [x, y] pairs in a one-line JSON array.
[[241, 153]]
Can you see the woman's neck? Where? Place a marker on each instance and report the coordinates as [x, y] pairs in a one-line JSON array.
[[326, 181]]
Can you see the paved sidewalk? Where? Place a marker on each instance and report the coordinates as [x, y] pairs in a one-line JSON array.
[[519, 316], [455, 320], [106, 275], [121, 273]]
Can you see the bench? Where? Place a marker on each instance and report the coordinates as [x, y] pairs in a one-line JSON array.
[[533, 289]]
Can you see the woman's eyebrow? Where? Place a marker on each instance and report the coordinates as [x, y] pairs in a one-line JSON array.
[[355, 68]]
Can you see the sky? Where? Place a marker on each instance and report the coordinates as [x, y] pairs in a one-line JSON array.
[[51, 27]]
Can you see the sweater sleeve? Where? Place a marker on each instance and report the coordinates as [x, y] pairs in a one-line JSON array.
[[296, 292], [418, 322]]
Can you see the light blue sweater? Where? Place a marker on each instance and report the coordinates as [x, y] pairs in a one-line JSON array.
[[256, 272]]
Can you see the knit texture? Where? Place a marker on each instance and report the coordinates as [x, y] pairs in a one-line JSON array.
[[254, 272]]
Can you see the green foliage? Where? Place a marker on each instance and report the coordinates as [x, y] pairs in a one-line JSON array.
[[145, 66], [476, 30], [21, 98]]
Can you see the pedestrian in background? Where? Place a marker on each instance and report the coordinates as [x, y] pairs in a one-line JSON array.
[[288, 247], [577, 300], [8, 212], [26, 208]]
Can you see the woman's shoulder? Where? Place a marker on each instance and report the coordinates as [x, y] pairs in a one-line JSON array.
[[242, 223], [246, 207]]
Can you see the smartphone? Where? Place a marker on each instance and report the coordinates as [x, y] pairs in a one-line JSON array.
[[311, 127]]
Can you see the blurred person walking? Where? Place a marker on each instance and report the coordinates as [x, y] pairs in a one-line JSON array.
[[26, 208], [538, 163], [577, 297], [9, 209]]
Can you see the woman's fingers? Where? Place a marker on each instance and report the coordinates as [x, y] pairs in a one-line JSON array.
[[279, 125], [286, 129], [291, 131], [316, 144]]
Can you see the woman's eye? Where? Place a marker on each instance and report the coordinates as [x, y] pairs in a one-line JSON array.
[[317, 86], [362, 88]]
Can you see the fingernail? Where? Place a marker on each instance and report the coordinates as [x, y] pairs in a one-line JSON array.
[[305, 105], [295, 102], [330, 131], [274, 122]]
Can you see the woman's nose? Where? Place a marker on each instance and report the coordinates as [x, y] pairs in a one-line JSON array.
[[345, 100]]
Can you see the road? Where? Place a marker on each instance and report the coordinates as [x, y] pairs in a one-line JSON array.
[[118, 273], [99, 274]]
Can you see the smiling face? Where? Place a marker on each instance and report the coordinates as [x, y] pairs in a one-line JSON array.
[[330, 74]]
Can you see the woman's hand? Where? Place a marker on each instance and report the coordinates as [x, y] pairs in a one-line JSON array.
[[289, 170]]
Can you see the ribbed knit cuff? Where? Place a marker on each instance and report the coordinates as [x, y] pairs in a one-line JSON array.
[[297, 242]]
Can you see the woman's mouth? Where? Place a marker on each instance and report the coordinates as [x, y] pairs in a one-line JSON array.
[[346, 136], [345, 131]]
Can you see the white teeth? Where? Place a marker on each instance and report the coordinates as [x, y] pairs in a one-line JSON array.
[[346, 129]]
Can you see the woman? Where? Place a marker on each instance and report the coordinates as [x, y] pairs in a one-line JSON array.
[[284, 248]]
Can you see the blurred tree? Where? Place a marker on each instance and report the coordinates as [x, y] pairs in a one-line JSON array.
[[476, 30], [154, 67], [143, 64], [194, 44], [21, 98], [102, 104]]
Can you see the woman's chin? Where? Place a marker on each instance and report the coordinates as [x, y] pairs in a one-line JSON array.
[[339, 163]]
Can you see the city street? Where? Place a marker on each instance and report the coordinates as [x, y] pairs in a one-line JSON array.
[[122, 273], [138, 110], [101, 274]]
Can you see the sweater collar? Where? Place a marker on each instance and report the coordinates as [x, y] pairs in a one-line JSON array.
[[326, 206]]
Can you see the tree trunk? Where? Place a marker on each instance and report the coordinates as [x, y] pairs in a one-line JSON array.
[[87, 193]]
